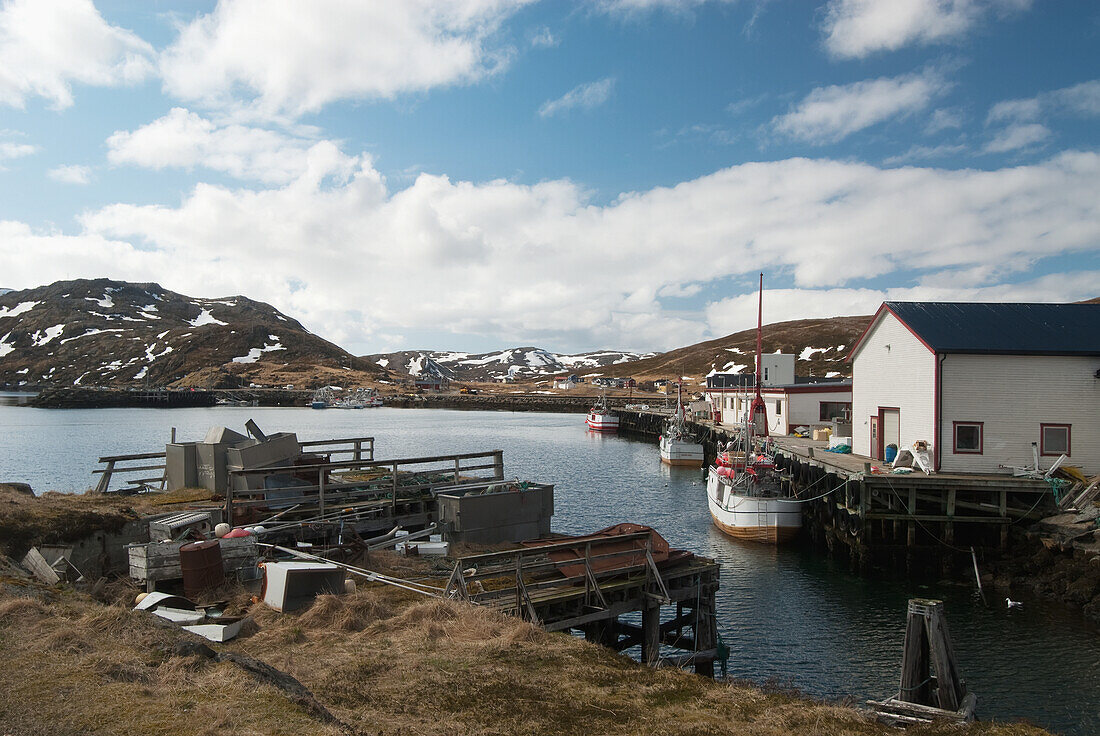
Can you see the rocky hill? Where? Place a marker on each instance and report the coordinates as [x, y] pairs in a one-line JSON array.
[[820, 344], [518, 363], [103, 332]]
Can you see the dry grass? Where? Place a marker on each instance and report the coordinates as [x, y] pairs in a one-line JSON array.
[[64, 517], [382, 662]]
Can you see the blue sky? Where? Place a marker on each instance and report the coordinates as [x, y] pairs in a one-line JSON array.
[[478, 174]]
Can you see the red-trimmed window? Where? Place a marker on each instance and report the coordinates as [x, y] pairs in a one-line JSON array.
[[1054, 439], [969, 438]]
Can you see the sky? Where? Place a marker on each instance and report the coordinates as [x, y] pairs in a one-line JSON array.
[[608, 174]]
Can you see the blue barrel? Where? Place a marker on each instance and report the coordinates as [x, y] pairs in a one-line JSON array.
[[891, 453]]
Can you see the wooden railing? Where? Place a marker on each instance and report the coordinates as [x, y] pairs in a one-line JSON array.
[[337, 485], [113, 468]]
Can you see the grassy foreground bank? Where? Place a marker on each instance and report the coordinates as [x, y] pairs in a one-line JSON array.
[[377, 661]]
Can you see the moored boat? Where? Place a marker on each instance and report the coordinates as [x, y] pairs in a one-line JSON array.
[[745, 496], [600, 418], [677, 445]]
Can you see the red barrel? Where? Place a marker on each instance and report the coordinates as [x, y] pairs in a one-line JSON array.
[[201, 563]]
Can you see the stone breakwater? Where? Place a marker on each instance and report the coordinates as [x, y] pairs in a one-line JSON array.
[[90, 398]]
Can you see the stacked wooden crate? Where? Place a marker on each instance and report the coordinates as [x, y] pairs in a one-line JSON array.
[[157, 562]]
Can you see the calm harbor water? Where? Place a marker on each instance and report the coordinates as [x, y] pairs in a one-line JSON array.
[[789, 615]]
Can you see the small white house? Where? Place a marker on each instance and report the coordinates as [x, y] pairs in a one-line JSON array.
[[565, 383], [803, 402], [981, 383]]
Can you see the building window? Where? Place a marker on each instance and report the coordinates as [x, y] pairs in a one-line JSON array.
[[968, 438], [1054, 439], [828, 410], [778, 407], [765, 374]]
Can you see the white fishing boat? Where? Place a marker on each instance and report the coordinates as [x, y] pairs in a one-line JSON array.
[[600, 418], [677, 445], [745, 496]]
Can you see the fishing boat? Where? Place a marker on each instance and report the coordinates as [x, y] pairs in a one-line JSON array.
[[600, 418], [361, 399], [745, 496], [322, 398], [678, 446]]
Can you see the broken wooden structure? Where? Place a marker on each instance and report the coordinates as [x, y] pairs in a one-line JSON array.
[[931, 687], [589, 584]]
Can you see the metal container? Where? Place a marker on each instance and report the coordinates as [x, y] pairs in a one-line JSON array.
[[201, 564]]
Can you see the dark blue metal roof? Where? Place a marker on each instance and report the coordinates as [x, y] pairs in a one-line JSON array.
[[1016, 329]]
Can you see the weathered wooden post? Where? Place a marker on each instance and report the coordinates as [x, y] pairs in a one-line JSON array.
[[651, 634], [928, 646]]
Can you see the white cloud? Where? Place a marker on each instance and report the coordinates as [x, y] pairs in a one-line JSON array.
[[75, 174], [560, 270], [10, 150], [739, 313], [926, 153], [1017, 136], [542, 38], [828, 114], [183, 139], [296, 58], [858, 28], [1024, 119], [47, 45], [1081, 99], [583, 96], [644, 6]]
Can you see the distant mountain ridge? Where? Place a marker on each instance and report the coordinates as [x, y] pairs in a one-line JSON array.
[[105, 332], [521, 363], [821, 345]]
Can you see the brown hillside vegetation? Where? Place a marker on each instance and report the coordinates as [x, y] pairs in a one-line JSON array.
[[787, 337], [373, 662]]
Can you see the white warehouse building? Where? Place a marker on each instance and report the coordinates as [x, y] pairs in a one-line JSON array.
[[981, 383]]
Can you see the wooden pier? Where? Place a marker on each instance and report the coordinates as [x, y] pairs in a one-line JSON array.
[[858, 507], [587, 584]]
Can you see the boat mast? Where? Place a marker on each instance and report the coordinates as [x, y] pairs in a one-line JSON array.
[[757, 411]]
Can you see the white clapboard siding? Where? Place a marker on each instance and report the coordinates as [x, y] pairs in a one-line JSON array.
[[902, 375], [1012, 395]]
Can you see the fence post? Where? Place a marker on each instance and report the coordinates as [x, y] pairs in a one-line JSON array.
[[393, 504], [498, 464], [105, 479], [358, 455]]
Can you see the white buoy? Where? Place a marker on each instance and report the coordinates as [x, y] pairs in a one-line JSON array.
[[221, 530]]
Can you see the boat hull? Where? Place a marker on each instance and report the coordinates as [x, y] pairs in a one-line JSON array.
[[602, 423], [752, 518], [686, 454]]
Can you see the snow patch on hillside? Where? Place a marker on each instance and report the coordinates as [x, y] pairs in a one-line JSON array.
[[5, 348], [255, 353], [41, 337], [205, 318], [18, 309]]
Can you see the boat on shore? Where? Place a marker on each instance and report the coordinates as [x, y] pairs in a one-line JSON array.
[[677, 445], [745, 496], [600, 418]]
